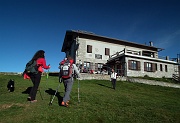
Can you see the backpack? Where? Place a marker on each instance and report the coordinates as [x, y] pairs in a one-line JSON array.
[[66, 70], [31, 67]]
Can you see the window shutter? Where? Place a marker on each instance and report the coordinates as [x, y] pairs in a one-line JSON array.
[[89, 49], [161, 67], [107, 51], [145, 66], [138, 65], [91, 65], [166, 69], [153, 67], [96, 66], [129, 64]]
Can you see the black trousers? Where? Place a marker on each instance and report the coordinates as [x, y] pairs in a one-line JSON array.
[[35, 78], [113, 83]]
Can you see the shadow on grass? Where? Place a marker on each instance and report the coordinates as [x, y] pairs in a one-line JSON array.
[[27, 91], [52, 93], [104, 85]]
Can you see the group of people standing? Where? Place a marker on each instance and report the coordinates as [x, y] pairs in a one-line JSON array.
[[39, 57]]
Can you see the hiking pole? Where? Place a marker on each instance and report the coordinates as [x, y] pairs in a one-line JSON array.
[[55, 93], [78, 92], [47, 76], [40, 94]]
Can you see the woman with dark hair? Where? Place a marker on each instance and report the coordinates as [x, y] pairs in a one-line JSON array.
[[39, 57]]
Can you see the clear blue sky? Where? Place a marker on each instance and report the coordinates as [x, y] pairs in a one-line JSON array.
[[29, 25]]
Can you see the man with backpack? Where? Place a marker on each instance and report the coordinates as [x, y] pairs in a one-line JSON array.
[[67, 71]]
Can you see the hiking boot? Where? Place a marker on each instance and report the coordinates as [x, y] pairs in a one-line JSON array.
[[29, 99], [64, 104], [33, 101]]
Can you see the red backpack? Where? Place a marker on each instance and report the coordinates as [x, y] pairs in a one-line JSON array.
[[66, 69]]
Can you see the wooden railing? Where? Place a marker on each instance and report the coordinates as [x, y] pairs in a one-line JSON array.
[[117, 53]]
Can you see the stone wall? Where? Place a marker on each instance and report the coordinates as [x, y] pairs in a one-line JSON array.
[[85, 76]]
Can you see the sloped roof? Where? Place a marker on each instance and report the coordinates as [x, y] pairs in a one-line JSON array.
[[72, 34]]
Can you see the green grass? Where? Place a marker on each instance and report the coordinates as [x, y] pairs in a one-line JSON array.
[[129, 103]]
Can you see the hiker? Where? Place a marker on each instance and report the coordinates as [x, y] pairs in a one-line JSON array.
[[113, 78], [39, 57], [67, 78]]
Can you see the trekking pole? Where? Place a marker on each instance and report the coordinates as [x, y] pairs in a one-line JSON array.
[[55, 93], [47, 76], [40, 94], [78, 92]]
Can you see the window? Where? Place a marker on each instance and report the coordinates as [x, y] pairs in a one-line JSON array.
[[98, 67], [86, 66], [98, 56], [89, 48], [156, 67], [166, 69], [161, 69], [134, 65], [107, 51], [150, 67], [148, 53]]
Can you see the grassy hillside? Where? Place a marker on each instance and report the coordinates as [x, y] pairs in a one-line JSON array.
[[99, 103]]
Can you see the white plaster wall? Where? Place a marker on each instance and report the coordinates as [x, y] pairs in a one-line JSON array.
[[98, 47]]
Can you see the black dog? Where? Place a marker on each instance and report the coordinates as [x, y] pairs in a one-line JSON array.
[[10, 85]]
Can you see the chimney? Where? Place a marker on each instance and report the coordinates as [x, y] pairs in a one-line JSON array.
[[151, 43], [178, 60], [167, 57]]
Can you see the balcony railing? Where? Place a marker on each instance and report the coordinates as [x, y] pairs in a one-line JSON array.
[[143, 53]]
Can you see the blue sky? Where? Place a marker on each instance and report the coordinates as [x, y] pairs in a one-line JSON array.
[[29, 25]]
